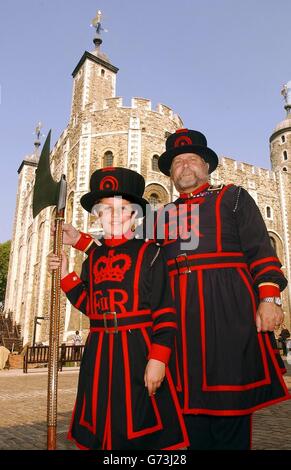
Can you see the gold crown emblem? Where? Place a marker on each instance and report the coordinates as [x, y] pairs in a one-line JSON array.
[[111, 268]]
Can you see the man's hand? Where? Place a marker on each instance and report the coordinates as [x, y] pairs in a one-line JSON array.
[[70, 234], [154, 375], [269, 316]]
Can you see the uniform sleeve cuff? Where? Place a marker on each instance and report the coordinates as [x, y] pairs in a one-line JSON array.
[[70, 281], [84, 242], [159, 352], [269, 290]]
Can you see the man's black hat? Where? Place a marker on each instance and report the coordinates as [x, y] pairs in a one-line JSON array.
[[115, 181], [186, 141]]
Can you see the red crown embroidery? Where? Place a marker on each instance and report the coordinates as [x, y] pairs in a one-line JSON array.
[[111, 267]]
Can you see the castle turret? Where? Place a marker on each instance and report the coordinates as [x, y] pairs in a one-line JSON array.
[[94, 77], [280, 154]]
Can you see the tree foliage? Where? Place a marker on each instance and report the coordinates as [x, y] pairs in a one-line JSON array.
[[4, 262]]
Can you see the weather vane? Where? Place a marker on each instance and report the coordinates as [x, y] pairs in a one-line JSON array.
[[286, 92], [96, 23], [38, 131]]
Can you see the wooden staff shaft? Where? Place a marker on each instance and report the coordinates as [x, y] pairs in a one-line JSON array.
[[54, 337]]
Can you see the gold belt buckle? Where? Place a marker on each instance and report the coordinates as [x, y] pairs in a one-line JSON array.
[[115, 331], [183, 257]]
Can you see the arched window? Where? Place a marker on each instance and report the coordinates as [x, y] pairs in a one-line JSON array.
[[102, 72], [285, 155], [154, 200], [155, 160], [108, 159], [284, 168], [269, 212], [273, 243], [283, 139]]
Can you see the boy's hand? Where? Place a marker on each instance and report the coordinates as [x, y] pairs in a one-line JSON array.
[[70, 234], [54, 262], [154, 375]]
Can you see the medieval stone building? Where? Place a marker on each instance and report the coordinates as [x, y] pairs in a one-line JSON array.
[[103, 132]]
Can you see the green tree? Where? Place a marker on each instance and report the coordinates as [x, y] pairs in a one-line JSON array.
[[4, 262]]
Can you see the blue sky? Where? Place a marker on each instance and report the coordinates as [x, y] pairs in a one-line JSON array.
[[219, 64]]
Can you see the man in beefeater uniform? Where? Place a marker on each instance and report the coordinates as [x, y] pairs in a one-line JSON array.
[[227, 294]]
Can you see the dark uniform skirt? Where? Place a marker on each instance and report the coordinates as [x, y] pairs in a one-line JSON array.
[[113, 409]]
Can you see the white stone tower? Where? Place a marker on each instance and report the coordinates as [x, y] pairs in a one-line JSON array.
[[280, 153]]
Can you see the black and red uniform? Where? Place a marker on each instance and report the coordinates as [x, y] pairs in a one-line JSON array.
[[125, 292], [226, 368]]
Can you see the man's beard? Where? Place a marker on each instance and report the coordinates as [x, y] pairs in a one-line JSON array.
[[188, 180]]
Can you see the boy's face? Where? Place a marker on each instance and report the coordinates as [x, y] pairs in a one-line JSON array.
[[115, 214]]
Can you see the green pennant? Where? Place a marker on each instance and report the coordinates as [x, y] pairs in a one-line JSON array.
[[46, 189]]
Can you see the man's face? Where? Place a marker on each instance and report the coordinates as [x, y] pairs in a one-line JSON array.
[[188, 171]]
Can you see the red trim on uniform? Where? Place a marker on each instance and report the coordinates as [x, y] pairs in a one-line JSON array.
[[92, 426], [209, 255], [96, 382], [207, 266], [276, 366], [162, 311], [203, 411], [183, 295], [107, 438], [164, 325], [131, 434], [260, 339], [269, 291], [160, 353], [202, 327], [112, 329], [137, 274], [83, 242], [193, 193], [185, 443], [82, 421], [70, 281], [218, 218], [80, 299], [126, 314], [172, 284], [222, 387], [91, 283], [262, 261], [129, 235], [69, 435], [268, 268], [179, 383]]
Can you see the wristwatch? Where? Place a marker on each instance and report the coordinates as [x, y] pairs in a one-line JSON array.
[[276, 300]]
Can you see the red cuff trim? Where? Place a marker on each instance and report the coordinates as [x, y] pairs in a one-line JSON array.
[[84, 242], [70, 281], [160, 353], [269, 291]]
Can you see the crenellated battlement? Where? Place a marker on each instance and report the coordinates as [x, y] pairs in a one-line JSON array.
[[234, 166], [112, 103]]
